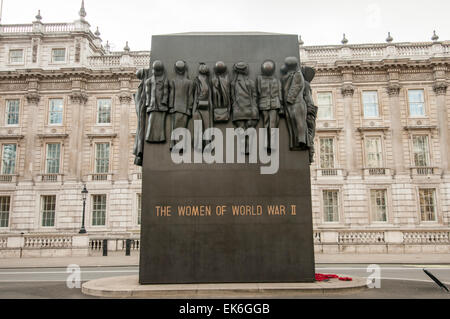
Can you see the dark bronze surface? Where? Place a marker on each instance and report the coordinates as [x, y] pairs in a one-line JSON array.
[[253, 248]]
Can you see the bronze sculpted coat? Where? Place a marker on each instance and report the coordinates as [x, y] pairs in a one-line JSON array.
[[294, 85], [269, 94], [221, 93], [202, 109], [308, 74], [157, 88], [180, 97], [139, 100]]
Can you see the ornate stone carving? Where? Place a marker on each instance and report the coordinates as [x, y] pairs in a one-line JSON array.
[[124, 98], [393, 89], [440, 87], [33, 98], [78, 97], [347, 90]]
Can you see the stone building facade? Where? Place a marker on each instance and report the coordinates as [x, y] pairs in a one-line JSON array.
[[380, 180]]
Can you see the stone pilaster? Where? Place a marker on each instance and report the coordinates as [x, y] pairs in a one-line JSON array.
[[440, 89], [125, 100], [347, 91], [77, 102], [31, 112], [393, 90]]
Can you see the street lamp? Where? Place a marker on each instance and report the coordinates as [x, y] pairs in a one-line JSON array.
[[84, 193]]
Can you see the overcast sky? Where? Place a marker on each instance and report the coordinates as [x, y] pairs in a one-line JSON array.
[[317, 21]]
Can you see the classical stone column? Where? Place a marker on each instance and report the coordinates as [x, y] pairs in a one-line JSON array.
[[32, 110], [440, 89], [347, 91], [78, 100], [125, 100], [393, 91]]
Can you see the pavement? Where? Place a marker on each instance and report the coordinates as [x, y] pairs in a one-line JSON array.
[[400, 276], [395, 281], [133, 260]]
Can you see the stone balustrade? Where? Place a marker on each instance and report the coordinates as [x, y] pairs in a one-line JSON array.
[[379, 51], [50, 241], [382, 241], [40, 27], [325, 241]]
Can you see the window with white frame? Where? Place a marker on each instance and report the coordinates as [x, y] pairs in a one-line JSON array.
[[55, 111], [378, 205], [374, 153], [421, 150], [139, 208], [104, 111], [325, 104], [99, 210], [427, 202], [48, 210], [416, 101], [9, 159], [5, 203], [58, 55], [16, 56], [53, 155], [102, 158], [326, 152], [370, 104], [12, 112], [331, 205]]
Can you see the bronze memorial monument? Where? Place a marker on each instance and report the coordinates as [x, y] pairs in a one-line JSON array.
[[230, 200]]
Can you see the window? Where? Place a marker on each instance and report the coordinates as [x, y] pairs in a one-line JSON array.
[[16, 56], [421, 151], [378, 205], [327, 152], [325, 103], [98, 210], [139, 208], [4, 210], [9, 159], [330, 205], [101, 158], [58, 55], [427, 201], [374, 155], [12, 112], [48, 208], [52, 158], [104, 111], [416, 103], [370, 104], [56, 110]]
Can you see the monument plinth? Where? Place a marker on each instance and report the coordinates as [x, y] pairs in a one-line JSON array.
[[224, 222]]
